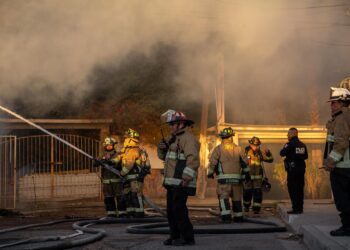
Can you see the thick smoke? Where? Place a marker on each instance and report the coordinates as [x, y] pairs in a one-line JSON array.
[[278, 56]]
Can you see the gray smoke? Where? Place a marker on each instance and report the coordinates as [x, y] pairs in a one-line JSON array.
[[277, 55]]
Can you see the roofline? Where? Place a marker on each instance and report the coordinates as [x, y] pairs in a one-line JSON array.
[[6, 124]]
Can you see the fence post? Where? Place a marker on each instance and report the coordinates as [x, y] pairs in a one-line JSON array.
[[52, 163]]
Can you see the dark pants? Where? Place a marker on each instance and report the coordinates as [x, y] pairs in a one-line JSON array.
[[257, 196], [179, 222], [340, 182], [295, 183]]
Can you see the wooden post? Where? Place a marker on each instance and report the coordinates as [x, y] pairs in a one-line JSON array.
[[220, 93], [202, 171]]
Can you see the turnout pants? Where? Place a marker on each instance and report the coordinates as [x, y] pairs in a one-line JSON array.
[[340, 182], [112, 192], [178, 219], [295, 183], [252, 189], [133, 196], [225, 192]]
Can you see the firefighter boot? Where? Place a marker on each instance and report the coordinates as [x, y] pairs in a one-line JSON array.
[[237, 211], [226, 218], [121, 205], [340, 232], [110, 206]]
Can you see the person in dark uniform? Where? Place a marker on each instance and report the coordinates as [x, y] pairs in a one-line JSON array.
[[296, 153]]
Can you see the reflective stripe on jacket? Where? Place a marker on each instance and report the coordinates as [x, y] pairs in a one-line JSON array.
[[227, 162]]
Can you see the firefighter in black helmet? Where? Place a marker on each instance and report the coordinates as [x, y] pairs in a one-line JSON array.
[[226, 162], [253, 188]]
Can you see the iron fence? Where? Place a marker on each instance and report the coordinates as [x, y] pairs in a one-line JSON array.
[[7, 172], [41, 168]]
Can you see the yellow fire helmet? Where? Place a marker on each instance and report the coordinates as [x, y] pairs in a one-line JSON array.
[[130, 133], [109, 143], [226, 132], [255, 141]]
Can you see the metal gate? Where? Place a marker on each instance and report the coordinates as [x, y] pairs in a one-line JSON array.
[[7, 172], [49, 169]]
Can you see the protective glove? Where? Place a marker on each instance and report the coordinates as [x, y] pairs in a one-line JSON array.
[[210, 176], [329, 164], [96, 163], [267, 152], [144, 172], [118, 167], [107, 162]]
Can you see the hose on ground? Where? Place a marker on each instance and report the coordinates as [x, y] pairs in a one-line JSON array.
[[81, 227], [158, 228]]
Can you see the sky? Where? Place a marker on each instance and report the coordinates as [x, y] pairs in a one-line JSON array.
[[278, 58]]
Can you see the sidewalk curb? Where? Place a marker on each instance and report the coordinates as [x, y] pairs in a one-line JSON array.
[[312, 237]]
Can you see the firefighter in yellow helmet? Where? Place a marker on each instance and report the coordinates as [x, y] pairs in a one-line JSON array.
[[112, 185], [337, 156], [227, 162], [253, 188], [180, 152], [135, 166]]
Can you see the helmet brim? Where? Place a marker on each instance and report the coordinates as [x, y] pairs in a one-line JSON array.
[[188, 122], [225, 136]]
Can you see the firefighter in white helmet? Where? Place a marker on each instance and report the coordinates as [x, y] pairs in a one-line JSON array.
[[337, 158], [226, 161], [112, 185], [253, 188], [180, 151], [135, 166]]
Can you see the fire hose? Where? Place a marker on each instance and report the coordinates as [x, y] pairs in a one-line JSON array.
[[81, 227], [106, 166], [97, 234], [154, 225]]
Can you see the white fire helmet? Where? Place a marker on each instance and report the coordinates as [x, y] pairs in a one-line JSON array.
[[175, 116], [339, 94], [109, 141], [345, 83]]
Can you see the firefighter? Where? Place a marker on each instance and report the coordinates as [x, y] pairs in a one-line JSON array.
[[180, 151], [226, 161], [337, 159], [252, 189], [295, 153], [135, 166], [112, 185]]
